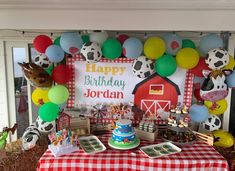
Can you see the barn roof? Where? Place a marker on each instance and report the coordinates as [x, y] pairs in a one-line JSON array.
[[152, 76]]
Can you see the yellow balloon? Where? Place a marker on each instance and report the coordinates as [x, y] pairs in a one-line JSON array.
[[231, 63], [216, 108], [40, 96], [187, 58], [223, 139], [154, 47]]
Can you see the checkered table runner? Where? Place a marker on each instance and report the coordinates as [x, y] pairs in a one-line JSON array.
[[200, 156]]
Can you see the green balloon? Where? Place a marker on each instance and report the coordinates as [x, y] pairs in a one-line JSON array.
[[165, 66], [85, 38], [49, 69], [187, 43], [58, 94], [112, 48], [48, 112], [57, 41]]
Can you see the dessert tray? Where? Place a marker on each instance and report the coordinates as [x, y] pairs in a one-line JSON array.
[[159, 150], [91, 144]]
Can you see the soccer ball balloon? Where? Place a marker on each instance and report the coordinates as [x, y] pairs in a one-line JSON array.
[[212, 123]]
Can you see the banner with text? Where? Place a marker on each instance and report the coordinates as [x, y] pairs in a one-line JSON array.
[[104, 82]]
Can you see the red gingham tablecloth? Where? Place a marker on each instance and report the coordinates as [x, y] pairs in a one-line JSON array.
[[197, 157]]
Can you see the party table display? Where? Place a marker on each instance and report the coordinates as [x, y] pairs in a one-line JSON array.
[[199, 156], [63, 142], [123, 136], [178, 130]]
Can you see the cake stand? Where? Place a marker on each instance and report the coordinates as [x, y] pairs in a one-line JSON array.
[[122, 146]]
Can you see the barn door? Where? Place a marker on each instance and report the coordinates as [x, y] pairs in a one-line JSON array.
[[151, 106]]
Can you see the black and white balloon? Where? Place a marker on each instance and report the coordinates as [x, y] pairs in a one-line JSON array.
[[143, 67], [212, 123], [91, 52], [217, 58], [42, 61], [30, 137], [45, 127]]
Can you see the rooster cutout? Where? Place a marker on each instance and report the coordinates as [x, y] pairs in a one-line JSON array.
[[36, 75]]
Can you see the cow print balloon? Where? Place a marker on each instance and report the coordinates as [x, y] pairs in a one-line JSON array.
[[91, 52], [143, 67], [217, 59], [30, 137], [42, 61], [45, 127], [212, 123]]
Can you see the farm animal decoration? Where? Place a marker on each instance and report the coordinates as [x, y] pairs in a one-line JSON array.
[[30, 137], [36, 75], [4, 135], [214, 87], [45, 127]]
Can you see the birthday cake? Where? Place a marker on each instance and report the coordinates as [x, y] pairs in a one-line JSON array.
[[123, 135]]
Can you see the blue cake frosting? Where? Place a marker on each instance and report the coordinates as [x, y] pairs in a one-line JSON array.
[[123, 131]]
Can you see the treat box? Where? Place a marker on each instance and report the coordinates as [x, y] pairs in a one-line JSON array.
[[62, 151], [159, 150], [144, 135], [91, 144]]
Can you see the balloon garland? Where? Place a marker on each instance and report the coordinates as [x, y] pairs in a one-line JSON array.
[[155, 54]]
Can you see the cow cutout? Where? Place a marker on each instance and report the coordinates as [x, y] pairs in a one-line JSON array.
[[214, 87]]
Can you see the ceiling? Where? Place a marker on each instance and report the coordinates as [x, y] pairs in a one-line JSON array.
[[147, 15], [119, 4]]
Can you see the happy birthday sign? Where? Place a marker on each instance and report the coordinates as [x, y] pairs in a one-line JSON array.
[[104, 82]]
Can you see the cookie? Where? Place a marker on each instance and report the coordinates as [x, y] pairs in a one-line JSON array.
[[98, 147], [163, 152], [157, 148], [166, 146]]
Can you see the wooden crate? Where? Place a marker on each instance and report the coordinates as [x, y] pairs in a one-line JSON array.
[[207, 138], [146, 135], [79, 123]]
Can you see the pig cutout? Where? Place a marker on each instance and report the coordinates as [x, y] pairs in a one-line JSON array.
[[214, 87]]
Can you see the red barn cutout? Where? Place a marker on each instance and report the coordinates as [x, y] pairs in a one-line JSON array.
[[155, 92], [63, 121]]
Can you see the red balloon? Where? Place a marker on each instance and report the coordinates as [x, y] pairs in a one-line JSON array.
[[61, 74], [200, 66], [122, 37], [41, 42]]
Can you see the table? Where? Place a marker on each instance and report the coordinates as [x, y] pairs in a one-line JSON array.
[[200, 156]]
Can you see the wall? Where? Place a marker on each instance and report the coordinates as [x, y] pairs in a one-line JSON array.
[[3, 90]]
